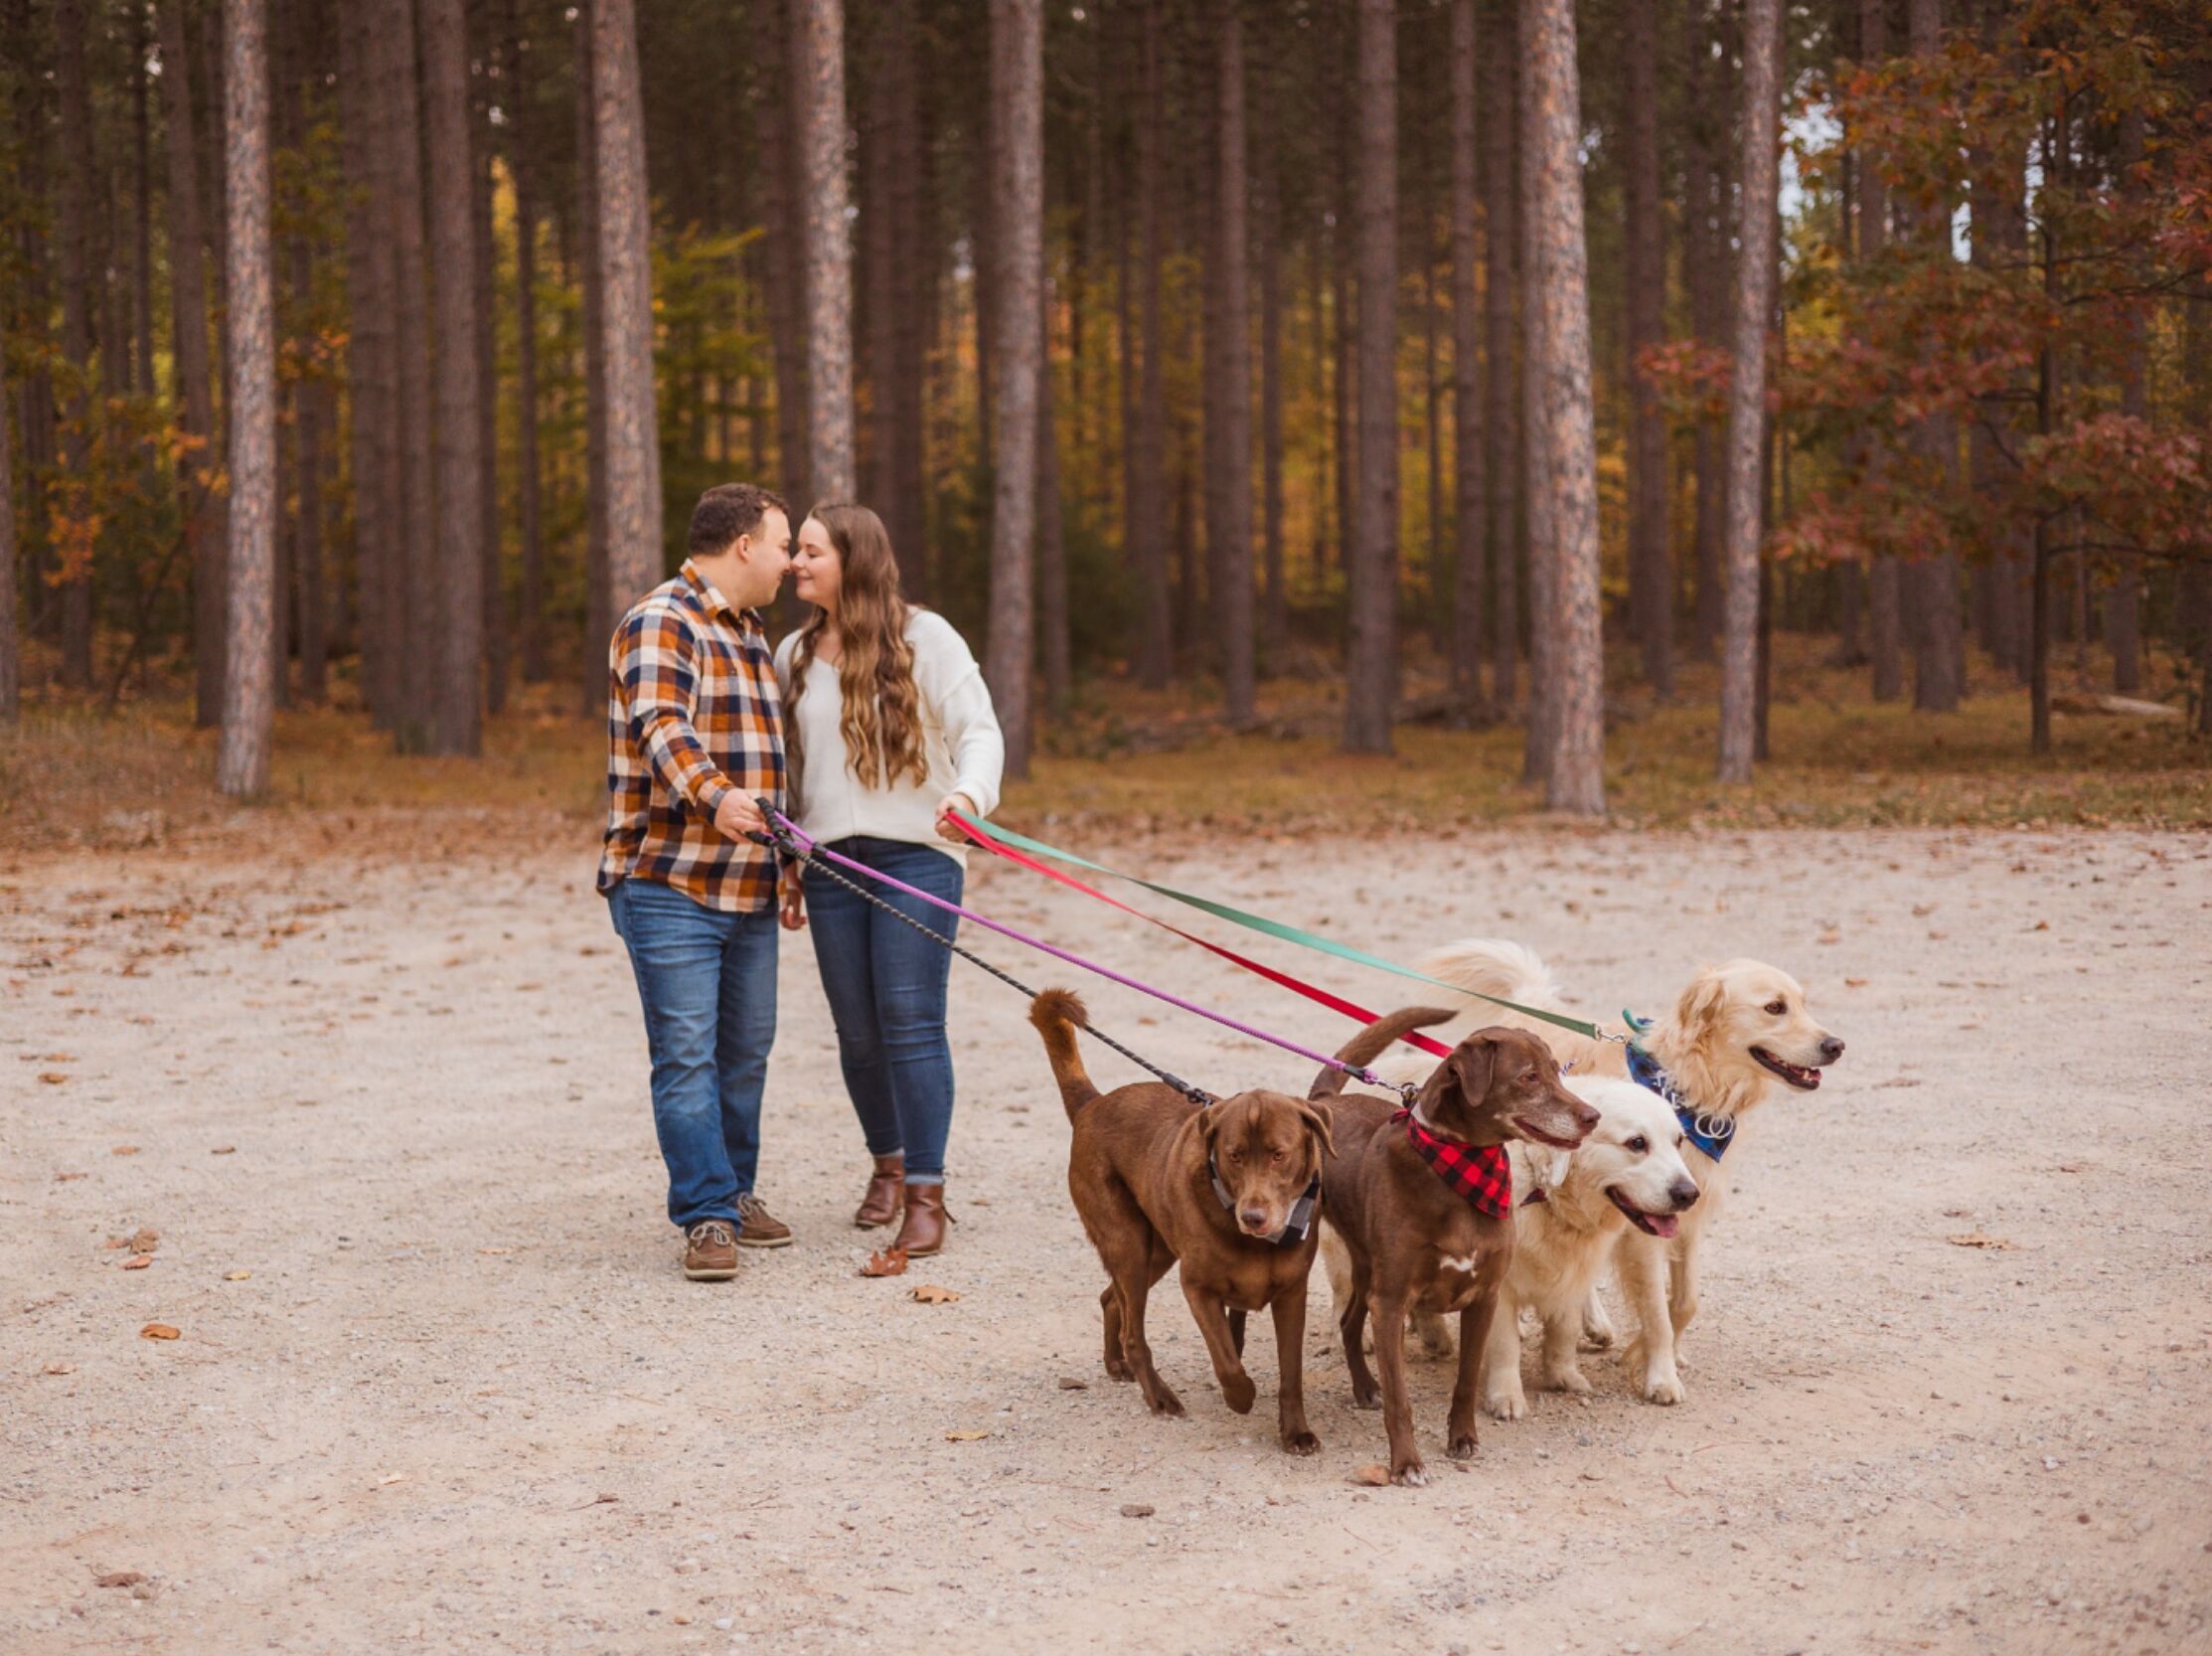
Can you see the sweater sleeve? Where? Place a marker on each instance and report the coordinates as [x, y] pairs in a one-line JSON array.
[[656, 659], [954, 696]]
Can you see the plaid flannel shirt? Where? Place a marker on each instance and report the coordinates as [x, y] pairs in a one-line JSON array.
[[693, 712]]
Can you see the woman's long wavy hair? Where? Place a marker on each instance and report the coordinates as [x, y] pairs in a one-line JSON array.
[[882, 716]]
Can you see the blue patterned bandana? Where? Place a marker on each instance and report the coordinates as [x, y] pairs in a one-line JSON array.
[[1710, 1133]]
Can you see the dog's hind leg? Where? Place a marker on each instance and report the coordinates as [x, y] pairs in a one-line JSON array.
[[1681, 1290], [1502, 1395], [1597, 1327], [1561, 1370], [1117, 1360], [1643, 1274], [1351, 1328], [1435, 1333], [1135, 1285], [1237, 1389]]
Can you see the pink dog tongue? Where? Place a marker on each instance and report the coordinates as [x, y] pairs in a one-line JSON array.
[[1662, 1225]]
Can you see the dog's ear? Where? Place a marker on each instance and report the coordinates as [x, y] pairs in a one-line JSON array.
[[1702, 1001], [1317, 1123], [1467, 1072], [1209, 1123]]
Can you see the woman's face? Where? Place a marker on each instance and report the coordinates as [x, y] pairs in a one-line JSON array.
[[815, 571]]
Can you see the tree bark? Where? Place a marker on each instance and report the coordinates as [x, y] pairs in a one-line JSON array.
[[598, 613], [1747, 400], [2124, 596], [1500, 411], [1650, 571], [412, 568], [819, 101], [142, 212], [456, 603], [1229, 537], [1575, 775], [1468, 563], [521, 166], [1537, 415], [11, 638], [634, 549], [1055, 656], [1370, 660], [1884, 593], [781, 257], [1939, 623], [497, 642], [1707, 251], [242, 754], [1017, 61], [1147, 472], [195, 376], [72, 225], [1274, 626]]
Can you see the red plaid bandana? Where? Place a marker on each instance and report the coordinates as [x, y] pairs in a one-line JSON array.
[[1480, 1173]]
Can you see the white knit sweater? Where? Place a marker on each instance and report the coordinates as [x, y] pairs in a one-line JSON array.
[[960, 741]]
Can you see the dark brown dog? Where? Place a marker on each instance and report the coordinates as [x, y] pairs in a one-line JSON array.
[[1416, 1244], [1157, 1179]]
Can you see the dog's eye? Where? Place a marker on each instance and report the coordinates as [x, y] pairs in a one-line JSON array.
[[1275, 1156], [1776, 1009], [1640, 1144]]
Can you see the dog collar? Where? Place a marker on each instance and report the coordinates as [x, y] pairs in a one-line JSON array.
[[1480, 1173], [1710, 1133], [1301, 1211]]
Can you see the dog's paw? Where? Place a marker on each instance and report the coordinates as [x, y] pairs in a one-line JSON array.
[[1301, 1443], [1462, 1446], [1436, 1336], [1663, 1389], [1568, 1380], [1507, 1405], [1597, 1328], [1238, 1392], [1165, 1402], [1369, 1398], [1118, 1367], [1412, 1475]]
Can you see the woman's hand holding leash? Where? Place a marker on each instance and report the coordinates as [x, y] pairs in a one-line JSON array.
[[953, 802]]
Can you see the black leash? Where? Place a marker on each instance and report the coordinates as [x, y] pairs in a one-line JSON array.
[[780, 839]]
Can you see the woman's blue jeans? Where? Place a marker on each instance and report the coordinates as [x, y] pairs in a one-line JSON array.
[[886, 984], [708, 983]]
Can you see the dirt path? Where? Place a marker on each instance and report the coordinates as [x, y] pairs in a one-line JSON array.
[[438, 1385]]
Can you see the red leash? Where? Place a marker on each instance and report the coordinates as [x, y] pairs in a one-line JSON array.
[[1312, 992]]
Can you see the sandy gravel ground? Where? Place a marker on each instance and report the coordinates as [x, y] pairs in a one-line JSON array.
[[438, 1384]]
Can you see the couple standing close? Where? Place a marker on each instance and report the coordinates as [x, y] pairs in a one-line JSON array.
[[867, 726]]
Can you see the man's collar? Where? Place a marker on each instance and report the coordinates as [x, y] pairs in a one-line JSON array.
[[711, 596]]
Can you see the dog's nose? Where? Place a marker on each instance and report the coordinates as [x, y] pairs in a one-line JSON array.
[[1586, 1118], [1684, 1193], [1253, 1220], [1830, 1049]]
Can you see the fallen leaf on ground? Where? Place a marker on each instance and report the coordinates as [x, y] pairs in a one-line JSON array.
[[969, 1437], [1136, 1509], [60, 1369], [930, 1294], [158, 1331], [52, 1078], [1374, 1475], [138, 1261], [494, 1250], [65, 1177], [124, 1150], [235, 1275], [1855, 984], [120, 1579], [888, 1261], [1068, 1382], [223, 1150], [144, 1239], [1978, 1238], [391, 1478]]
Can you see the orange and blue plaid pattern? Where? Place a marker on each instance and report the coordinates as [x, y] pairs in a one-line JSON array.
[[693, 712]]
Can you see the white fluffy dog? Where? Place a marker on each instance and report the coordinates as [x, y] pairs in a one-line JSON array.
[[1576, 1205]]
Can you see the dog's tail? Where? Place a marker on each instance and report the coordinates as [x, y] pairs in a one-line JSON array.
[[1373, 1041], [1057, 1014], [1489, 966]]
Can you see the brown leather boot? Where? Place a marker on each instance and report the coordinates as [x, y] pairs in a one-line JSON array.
[[923, 1232], [886, 1189]]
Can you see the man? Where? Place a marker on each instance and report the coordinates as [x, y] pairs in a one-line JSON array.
[[695, 733]]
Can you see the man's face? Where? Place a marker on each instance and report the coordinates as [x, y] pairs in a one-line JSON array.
[[766, 557]]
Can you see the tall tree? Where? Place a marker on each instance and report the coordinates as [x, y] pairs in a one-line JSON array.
[[78, 518], [194, 375], [1536, 412], [11, 639], [412, 598], [1372, 664], [1018, 80], [1885, 584], [1938, 624], [1650, 571], [2123, 597], [243, 754], [1705, 251], [819, 100], [1501, 409], [522, 169], [457, 612], [1747, 403], [1147, 510], [1469, 572], [484, 287], [782, 252], [1229, 537], [1271, 250], [1575, 775], [598, 590], [634, 555]]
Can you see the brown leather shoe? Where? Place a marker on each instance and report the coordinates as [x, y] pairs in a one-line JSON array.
[[710, 1250], [757, 1226], [923, 1232], [886, 1193]]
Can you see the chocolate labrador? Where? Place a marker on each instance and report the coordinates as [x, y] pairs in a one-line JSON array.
[[1422, 1196], [1229, 1189]]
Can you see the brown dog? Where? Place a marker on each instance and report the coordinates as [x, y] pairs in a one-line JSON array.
[[1417, 1241], [1231, 1189]]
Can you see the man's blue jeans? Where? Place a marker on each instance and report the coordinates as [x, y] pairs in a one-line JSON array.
[[886, 984], [707, 981]]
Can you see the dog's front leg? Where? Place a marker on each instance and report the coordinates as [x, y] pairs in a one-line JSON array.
[[1159, 1396], [1290, 1349], [1350, 1329], [1643, 1271], [1492, 1305], [1501, 1390], [1213, 1317], [1397, 1407], [1561, 1371]]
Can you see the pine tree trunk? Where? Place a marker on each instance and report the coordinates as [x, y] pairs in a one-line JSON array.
[[521, 166], [1707, 249], [72, 227], [1017, 63], [1650, 571], [1436, 598], [2194, 628], [1269, 252], [781, 256], [1232, 546], [142, 210], [2123, 597], [1575, 774], [1054, 658], [1468, 436], [1747, 401], [1939, 623], [484, 291], [412, 605], [1501, 407], [35, 411], [817, 99], [195, 376], [634, 544], [243, 754], [1147, 472], [1537, 415], [11, 639], [1371, 655], [913, 294], [598, 612], [456, 604], [1884, 589]]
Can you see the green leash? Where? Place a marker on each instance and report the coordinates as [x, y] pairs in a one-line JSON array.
[[1291, 934]]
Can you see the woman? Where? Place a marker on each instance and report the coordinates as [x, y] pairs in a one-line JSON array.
[[887, 727]]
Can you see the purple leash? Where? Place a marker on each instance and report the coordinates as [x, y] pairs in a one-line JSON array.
[[805, 847]]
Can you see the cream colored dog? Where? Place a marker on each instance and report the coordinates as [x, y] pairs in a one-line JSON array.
[[1574, 1206], [1734, 1031]]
